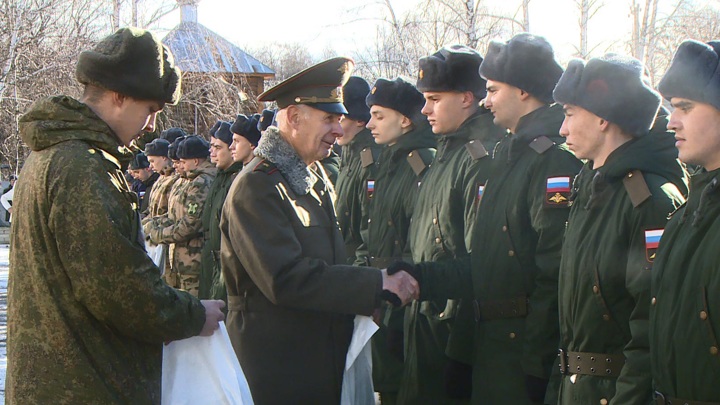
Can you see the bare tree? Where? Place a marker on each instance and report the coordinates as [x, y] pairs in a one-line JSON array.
[[588, 9]]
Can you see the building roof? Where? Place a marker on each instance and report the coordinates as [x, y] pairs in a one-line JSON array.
[[198, 49]]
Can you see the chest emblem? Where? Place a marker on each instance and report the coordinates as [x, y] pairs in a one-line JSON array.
[[557, 191], [480, 192], [192, 208], [652, 241], [370, 188]]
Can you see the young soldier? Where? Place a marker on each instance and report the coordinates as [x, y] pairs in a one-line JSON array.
[[140, 170], [621, 200], [685, 306], [211, 284], [245, 137], [397, 122], [182, 225], [442, 220], [87, 310]]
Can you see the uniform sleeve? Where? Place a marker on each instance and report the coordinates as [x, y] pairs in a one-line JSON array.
[[256, 219], [105, 262], [634, 385], [163, 229], [547, 219]]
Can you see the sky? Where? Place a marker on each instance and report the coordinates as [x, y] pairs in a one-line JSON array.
[[348, 25]]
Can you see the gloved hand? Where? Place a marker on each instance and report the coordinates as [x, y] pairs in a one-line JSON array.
[[458, 380], [395, 340], [411, 269], [536, 387]]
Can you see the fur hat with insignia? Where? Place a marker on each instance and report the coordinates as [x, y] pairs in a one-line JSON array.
[[399, 95], [247, 127], [612, 87], [158, 147], [527, 62], [223, 132], [319, 86], [694, 73], [267, 118], [452, 68], [172, 149], [354, 93], [193, 147], [132, 62], [171, 134], [139, 161]]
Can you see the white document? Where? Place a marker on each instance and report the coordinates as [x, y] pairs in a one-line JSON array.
[[357, 386]]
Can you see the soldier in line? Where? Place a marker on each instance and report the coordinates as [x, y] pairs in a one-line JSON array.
[[620, 203], [182, 226], [245, 136], [684, 308], [177, 190], [357, 165], [140, 170], [220, 153], [396, 122], [87, 310], [290, 295]]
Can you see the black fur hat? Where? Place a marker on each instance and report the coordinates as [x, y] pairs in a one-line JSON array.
[[139, 161], [158, 147], [399, 95], [527, 62], [354, 93], [614, 88], [171, 134], [694, 73], [172, 149], [267, 118], [193, 147], [214, 128], [247, 127], [223, 132], [132, 62], [452, 68]]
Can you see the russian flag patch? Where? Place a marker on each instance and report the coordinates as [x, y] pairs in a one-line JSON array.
[[652, 241], [370, 188], [481, 190], [557, 191]]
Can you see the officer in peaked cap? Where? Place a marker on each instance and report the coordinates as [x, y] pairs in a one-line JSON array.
[[282, 254]]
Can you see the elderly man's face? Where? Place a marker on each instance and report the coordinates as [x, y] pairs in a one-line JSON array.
[[314, 132]]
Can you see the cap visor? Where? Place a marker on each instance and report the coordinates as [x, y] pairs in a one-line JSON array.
[[333, 108]]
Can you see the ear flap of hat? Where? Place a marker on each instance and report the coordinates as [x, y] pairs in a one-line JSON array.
[[566, 89], [693, 74]]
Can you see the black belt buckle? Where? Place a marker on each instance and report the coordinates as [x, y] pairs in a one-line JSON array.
[[660, 398], [562, 355]]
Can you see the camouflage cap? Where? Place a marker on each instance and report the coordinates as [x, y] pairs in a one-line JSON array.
[[319, 86]]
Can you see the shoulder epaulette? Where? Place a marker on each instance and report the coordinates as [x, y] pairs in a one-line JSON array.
[[541, 144], [367, 157], [476, 149], [636, 187], [107, 156], [420, 159], [266, 167]]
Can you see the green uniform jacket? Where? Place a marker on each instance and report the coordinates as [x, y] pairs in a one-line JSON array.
[[291, 300], [390, 211], [212, 285], [351, 188], [331, 165], [606, 265], [685, 304], [441, 227], [515, 258], [87, 309]]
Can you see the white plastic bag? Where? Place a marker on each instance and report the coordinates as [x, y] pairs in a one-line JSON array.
[[158, 254], [203, 370], [357, 385]]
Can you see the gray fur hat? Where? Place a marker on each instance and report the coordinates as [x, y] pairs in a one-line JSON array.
[[694, 73], [193, 147], [612, 87], [452, 68], [527, 62]]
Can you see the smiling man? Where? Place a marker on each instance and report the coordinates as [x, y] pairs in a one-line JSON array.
[[87, 310], [684, 310]]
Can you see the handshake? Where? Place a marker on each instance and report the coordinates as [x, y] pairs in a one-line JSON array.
[[401, 283]]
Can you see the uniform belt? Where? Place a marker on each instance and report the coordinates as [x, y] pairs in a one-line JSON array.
[[661, 399], [490, 310], [382, 262], [586, 363]]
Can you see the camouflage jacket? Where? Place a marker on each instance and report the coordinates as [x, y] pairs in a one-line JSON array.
[[158, 204], [183, 223], [87, 309]]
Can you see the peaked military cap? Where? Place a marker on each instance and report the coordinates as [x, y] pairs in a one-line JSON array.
[[319, 86], [247, 127], [158, 147], [171, 134], [267, 118], [527, 62], [452, 68], [139, 161], [223, 132], [694, 73], [612, 87], [132, 62], [399, 95], [354, 93], [172, 149]]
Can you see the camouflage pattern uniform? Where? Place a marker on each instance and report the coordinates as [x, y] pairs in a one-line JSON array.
[[87, 309], [183, 225], [158, 205]]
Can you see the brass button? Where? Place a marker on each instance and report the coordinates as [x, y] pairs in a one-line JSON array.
[[703, 315], [369, 220], [91, 151], [410, 154], [390, 223], [603, 401], [512, 335], [437, 240], [434, 221], [630, 174], [347, 213], [504, 228], [606, 317], [596, 289], [713, 350], [441, 315], [653, 301], [397, 242], [511, 253]]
